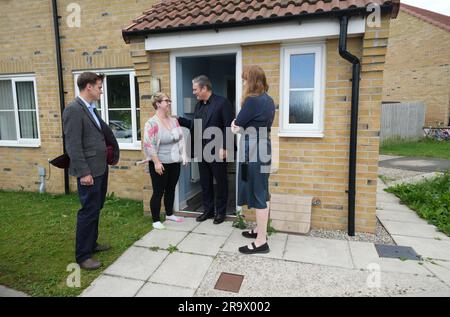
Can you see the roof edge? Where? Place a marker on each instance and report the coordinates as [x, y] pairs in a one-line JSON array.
[[409, 9], [392, 8]]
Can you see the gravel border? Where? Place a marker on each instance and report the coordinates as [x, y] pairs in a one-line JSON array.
[[381, 236]]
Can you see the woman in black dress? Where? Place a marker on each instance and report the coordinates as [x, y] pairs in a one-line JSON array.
[[254, 123]]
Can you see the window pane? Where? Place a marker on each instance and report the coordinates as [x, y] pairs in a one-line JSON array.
[[120, 123], [28, 125], [138, 123], [7, 126], [301, 107], [25, 95], [118, 91], [302, 71], [6, 95]]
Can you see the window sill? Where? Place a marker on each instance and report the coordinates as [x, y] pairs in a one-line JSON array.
[[129, 147], [301, 134], [18, 144]]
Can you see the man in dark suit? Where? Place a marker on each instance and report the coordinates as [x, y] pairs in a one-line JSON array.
[[86, 136], [214, 112]]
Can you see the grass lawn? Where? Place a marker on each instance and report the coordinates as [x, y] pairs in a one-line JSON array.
[[430, 199], [423, 148], [37, 239]]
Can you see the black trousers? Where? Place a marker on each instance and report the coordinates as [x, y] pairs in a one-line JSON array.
[[163, 185], [209, 171], [92, 199]]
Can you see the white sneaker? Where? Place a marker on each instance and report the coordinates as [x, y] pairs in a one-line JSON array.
[[174, 218], [158, 225]]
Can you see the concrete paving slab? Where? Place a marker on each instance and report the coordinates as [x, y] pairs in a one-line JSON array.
[[187, 225], [182, 269], [8, 292], [137, 263], [385, 198], [202, 244], [265, 277], [440, 269], [112, 286], [208, 227], [161, 290], [318, 251], [364, 255], [427, 248], [386, 215], [161, 239], [413, 230], [392, 207]]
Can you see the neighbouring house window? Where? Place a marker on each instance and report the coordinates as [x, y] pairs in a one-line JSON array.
[[19, 119], [302, 87], [119, 107]]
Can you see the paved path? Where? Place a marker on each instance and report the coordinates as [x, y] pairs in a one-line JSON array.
[[296, 266], [7, 292], [408, 229], [424, 165]]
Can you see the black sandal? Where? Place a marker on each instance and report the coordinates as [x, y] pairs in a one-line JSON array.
[[261, 249], [250, 234]]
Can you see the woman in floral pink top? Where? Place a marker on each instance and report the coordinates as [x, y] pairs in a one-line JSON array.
[[164, 149]]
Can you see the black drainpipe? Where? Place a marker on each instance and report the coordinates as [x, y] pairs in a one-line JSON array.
[[354, 122], [60, 83]]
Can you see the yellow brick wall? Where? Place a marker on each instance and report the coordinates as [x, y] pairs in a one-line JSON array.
[[28, 47], [418, 66], [318, 167]]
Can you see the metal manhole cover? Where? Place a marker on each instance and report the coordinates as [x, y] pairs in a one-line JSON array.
[[229, 282], [397, 252]]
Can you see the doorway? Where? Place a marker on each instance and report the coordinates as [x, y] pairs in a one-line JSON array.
[[221, 68]]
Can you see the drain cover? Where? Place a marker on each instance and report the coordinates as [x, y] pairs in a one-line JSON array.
[[397, 252], [229, 282]]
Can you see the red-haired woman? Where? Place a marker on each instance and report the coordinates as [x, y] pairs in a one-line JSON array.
[[254, 123]]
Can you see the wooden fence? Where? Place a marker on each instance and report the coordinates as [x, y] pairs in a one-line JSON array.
[[402, 121]]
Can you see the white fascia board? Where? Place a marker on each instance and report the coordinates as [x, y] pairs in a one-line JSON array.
[[275, 32]]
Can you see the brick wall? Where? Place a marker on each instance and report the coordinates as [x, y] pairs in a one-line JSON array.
[[28, 47], [319, 167], [417, 66]]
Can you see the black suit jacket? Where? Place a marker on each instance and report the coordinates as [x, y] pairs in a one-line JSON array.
[[219, 115]]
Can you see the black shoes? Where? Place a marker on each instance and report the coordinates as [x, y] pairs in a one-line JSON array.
[[219, 219], [261, 249], [90, 264], [101, 248], [204, 216], [250, 234]]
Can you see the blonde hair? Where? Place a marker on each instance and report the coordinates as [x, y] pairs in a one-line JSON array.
[[157, 98], [256, 81]]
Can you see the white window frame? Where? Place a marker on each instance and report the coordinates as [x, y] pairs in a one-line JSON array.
[[22, 142], [316, 129], [135, 145]]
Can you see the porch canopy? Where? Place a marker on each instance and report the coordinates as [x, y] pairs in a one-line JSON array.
[[188, 15]]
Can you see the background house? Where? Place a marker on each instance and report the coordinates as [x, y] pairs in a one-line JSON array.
[[296, 43], [418, 62]]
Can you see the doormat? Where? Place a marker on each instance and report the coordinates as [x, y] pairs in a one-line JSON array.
[[229, 282]]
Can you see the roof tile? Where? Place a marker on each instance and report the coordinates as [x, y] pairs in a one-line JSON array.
[[173, 14]]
